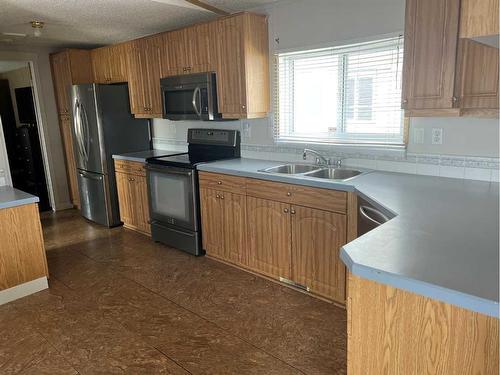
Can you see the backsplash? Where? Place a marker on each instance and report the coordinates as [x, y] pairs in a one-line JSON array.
[[462, 167]]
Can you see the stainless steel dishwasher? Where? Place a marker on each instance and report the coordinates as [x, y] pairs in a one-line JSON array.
[[369, 217]]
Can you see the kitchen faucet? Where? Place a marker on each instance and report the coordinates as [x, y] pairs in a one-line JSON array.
[[320, 159]]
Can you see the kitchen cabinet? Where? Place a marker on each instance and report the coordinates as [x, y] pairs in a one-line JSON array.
[[67, 138], [186, 51], [242, 66], [109, 64], [69, 67], [477, 78], [223, 225], [132, 191], [268, 241], [291, 233], [478, 18], [143, 61], [442, 74], [317, 236]]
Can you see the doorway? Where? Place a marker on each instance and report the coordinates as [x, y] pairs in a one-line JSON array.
[[21, 130]]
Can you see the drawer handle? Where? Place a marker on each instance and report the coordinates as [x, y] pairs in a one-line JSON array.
[[289, 194]]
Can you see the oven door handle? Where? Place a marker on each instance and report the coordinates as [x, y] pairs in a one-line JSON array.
[[168, 170], [196, 92]]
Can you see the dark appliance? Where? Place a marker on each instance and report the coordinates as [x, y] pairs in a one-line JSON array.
[[25, 107], [190, 97], [173, 187], [103, 126]]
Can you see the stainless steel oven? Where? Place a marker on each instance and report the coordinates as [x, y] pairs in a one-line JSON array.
[[190, 97]]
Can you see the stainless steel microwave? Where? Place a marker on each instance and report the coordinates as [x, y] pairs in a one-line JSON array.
[[190, 97]]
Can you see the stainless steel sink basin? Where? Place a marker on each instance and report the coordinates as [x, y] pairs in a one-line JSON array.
[[334, 173], [292, 169]]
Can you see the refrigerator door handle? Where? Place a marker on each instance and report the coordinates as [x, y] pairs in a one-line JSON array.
[[87, 132], [78, 129], [90, 176]]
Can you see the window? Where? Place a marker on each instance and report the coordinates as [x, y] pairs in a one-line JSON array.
[[349, 94]]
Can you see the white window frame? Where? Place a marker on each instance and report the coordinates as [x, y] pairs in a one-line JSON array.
[[340, 138]]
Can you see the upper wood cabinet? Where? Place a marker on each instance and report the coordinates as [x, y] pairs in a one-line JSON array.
[[242, 66], [479, 18], [431, 31], [186, 51], [442, 74], [109, 64], [144, 77], [477, 81], [69, 67]]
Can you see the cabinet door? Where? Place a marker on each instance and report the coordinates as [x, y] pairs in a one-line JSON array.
[[477, 76], [431, 33], [151, 66], [117, 62], [316, 240], [268, 242], [136, 86], [198, 49], [234, 227], [174, 55], [140, 203], [100, 64], [61, 75], [212, 223], [65, 127], [231, 68], [125, 198]]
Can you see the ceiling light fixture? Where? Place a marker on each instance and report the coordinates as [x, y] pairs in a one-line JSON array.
[[38, 26]]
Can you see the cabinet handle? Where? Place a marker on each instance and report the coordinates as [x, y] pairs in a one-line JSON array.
[[217, 196], [131, 179], [221, 197], [289, 194], [285, 210], [292, 211], [219, 182]]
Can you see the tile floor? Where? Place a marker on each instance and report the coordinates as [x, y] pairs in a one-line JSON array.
[[119, 303]]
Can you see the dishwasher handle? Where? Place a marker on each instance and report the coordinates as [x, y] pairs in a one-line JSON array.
[[369, 212]]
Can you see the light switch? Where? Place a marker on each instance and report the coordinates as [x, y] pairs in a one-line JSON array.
[[437, 136]]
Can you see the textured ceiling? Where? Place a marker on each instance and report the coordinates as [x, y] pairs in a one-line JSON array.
[[72, 23], [7, 66]]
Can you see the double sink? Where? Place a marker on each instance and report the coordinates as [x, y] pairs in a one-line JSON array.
[[314, 171]]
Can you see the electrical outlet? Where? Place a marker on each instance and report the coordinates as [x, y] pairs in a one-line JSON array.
[[437, 136], [418, 135]]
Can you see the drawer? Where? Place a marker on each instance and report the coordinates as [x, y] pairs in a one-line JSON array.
[[223, 182], [323, 199], [275, 191], [131, 167]]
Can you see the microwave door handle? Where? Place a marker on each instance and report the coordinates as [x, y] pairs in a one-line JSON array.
[[196, 91]]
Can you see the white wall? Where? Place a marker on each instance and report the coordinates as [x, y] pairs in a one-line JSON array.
[[308, 24], [52, 143]]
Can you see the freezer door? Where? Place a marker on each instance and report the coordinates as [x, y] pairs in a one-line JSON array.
[[87, 135], [93, 197]]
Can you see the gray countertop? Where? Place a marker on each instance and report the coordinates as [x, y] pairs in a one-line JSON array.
[[443, 242], [11, 197], [141, 156]]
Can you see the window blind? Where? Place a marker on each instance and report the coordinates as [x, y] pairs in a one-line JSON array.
[[349, 94]]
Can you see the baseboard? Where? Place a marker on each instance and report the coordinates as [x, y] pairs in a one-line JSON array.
[[23, 290]]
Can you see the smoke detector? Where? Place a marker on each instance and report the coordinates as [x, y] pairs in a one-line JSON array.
[[37, 26]]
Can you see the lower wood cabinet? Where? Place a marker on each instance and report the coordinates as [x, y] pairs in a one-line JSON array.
[[223, 216], [266, 231], [132, 196]]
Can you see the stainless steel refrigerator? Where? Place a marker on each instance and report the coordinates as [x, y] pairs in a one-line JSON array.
[[103, 126]]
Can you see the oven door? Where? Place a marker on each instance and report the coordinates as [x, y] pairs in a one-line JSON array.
[[172, 196], [185, 102]]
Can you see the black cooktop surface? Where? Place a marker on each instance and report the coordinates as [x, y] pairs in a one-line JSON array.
[[186, 160]]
